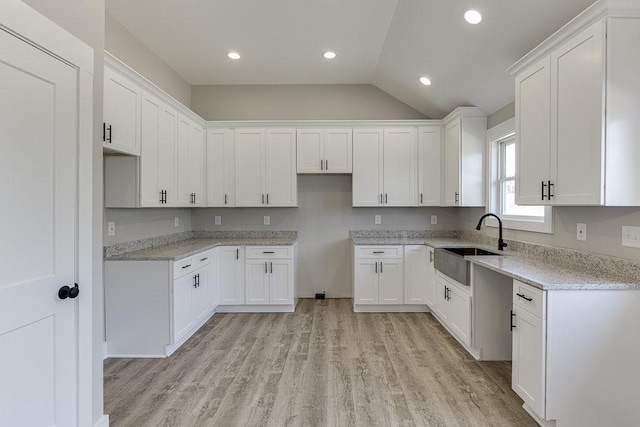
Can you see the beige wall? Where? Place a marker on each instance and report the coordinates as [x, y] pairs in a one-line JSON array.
[[298, 102], [323, 220], [121, 43], [135, 224], [85, 20], [604, 224]]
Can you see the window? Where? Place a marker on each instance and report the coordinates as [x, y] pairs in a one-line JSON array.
[[501, 142]]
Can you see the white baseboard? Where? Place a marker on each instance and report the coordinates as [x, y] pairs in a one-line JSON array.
[[390, 308], [255, 309], [105, 351], [543, 423], [102, 422]]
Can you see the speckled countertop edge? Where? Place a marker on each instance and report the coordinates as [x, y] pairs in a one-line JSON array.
[[534, 270]]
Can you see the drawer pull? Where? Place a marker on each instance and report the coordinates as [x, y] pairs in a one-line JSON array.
[[378, 252], [524, 297], [186, 266], [203, 259], [268, 252]]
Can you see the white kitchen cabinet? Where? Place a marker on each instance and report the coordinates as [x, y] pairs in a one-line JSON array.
[[586, 153], [190, 306], [452, 305], [365, 281], [269, 273], [385, 167], [441, 304], [464, 153], [429, 170], [191, 163], [158, 156], [212, 279], [230, 279], [220, 168], [415, 274], [378, 275], [265, 167], [322, 151], [431, 278], [122, 101]]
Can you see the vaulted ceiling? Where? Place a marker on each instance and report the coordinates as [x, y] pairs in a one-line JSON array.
[[387, 43]]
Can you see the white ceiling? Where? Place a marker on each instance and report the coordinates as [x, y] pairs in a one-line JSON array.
[[388, 43]]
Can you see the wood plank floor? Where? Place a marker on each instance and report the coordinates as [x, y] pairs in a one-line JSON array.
[[320, 366]]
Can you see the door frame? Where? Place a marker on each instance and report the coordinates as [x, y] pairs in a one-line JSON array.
[[30, 26]]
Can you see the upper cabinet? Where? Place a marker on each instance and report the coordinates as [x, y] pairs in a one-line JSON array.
[[385, 167], [191, 161], [577, 99], [121, 125], [429, 158], [220, 168], [265, 167], [464, 148], [324, 151]]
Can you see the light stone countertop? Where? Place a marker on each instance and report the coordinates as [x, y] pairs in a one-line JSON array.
[[540, 272], [185, 248]]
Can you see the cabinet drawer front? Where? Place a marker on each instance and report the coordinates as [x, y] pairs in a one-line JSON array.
[[268, 252], [379, 252], [185, 266], [530, 299], [202, 259]]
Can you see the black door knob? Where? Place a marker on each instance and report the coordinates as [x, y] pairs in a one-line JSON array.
[[67, 292]]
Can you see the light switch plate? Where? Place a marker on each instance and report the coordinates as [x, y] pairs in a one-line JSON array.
[[176, 221], [218, 220], [377, 219], [111, 229], [581, 232], [434, 219], [631, 237], [267, 220]]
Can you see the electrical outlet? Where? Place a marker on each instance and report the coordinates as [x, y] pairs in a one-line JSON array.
[[267, 220], [631, 237], [176, 221], [581, 232], [218, 220], [111, 229], [434, 219], [377, 219]]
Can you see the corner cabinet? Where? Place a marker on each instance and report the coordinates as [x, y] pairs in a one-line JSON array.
[[121, 103], [265, 167], [385, 167], [324, 151], [576, 121], [464, 156]]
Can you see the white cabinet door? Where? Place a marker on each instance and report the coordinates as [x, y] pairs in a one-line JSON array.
[[280, 168], [431, 278], [257, 282], [281, 281], [167, 139], [310, 143], [460, 318], [400, 167], [201, 306], [230, 284], [183, 319], [182, 156], [528, 366], [452, 163], [338, 147], [196, 164], [212, 279], [415, 277], [391, 281], [249, 167], [533, 133], [122, 99], [367, 167], [577, 75], [366, 281], [441, 304], [220, 168], [429, 148]]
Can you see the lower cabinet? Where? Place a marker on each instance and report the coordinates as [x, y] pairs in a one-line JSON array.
[[415, 274], [190, 304], [269, 276], [431, 277], [452, 305], [379, 281], [230, 281]]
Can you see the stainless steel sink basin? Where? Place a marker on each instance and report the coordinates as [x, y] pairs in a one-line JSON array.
[[451, 262]]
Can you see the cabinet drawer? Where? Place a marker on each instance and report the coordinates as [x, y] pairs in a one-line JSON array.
[[530, 299], [185, 266], [379, 252], [262, 252], [202, 259]]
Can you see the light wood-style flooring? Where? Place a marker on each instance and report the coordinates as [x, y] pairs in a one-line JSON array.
[[320, 366]]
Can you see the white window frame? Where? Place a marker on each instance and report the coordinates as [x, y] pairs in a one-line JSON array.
[[494, 136]]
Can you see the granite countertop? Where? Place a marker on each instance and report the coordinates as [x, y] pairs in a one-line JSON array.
[[535, 270], [175, 251]]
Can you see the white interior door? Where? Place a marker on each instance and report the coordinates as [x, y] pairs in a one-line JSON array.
[[38, 167]]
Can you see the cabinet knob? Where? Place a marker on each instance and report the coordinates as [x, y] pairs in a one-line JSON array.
[[68, 292]]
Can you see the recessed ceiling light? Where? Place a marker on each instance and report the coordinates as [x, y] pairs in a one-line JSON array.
[[472, 16], [233, 55], [329, 55], [425, 81]]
